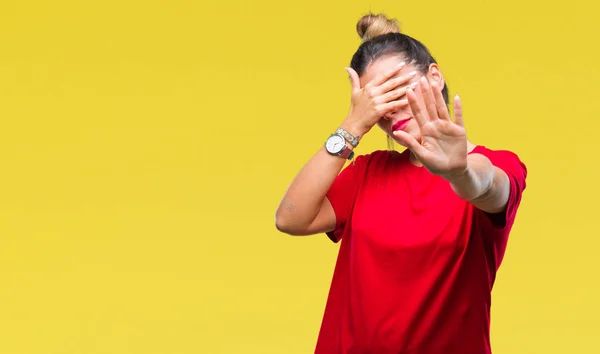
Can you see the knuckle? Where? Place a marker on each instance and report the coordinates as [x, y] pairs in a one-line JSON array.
[[398, 81]]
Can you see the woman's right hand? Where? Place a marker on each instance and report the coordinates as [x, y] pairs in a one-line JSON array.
[[378, 97]]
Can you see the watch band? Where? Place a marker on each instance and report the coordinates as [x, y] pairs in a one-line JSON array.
[[353, 140], [347, 153]]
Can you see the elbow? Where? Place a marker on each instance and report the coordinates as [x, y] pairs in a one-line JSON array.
[[286, 226], [282, 225]]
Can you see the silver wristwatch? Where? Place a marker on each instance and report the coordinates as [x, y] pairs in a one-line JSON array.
[[336, 145]]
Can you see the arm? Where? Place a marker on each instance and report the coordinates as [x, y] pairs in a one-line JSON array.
[[304, 209], [482, 184], [443, 150]]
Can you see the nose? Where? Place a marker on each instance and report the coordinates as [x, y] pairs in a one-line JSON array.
[[391, 114]]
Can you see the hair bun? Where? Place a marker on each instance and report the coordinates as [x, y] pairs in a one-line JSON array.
[[373, 25]]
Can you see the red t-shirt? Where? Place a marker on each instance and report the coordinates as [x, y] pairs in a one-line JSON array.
[[416, 263]]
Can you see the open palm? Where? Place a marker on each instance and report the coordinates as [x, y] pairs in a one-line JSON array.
[[443, 146]]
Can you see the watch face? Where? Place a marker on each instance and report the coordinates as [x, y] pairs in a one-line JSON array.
[[335, 144]]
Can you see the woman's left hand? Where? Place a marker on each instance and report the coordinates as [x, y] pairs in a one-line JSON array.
[[443, 146]]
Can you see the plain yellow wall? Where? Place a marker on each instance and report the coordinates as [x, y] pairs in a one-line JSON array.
[[145, 145]]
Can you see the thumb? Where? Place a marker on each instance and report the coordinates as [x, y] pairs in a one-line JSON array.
[[354, 79], [412, 144]]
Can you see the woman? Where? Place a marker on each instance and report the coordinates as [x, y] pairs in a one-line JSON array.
[[423, 231]]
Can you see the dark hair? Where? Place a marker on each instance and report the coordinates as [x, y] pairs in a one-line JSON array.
[[381, 36]]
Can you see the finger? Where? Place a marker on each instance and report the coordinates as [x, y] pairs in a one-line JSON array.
[[380, 79], [397, 93], [354, 79], [412, 144], [428, 99], [393, 83], [458, 115], [392, 106], [442, 108], [416, 107]]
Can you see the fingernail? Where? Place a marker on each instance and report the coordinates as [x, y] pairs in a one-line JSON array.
[[402, 64], [413, 85], [412, 74]]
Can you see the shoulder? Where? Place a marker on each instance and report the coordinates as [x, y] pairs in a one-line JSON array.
[[379, 166], [373, 155], [496, 153], [507, 160], [380, 157]]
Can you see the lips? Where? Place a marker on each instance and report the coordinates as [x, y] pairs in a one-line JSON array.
[[401, 124]]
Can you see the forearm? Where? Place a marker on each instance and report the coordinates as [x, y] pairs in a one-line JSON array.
[[482, 184]]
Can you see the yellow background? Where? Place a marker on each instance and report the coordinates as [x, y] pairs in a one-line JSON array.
[[145, 145]]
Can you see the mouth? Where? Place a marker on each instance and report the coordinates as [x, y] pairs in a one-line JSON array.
[[401, 124]]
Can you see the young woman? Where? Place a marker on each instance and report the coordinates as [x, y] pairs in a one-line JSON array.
[[423, 231]]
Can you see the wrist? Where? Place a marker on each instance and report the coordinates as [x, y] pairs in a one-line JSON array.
[[353, 128], [475, 180], [459, 176], [463, 183]]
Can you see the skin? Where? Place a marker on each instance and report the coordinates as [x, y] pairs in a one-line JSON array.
[[434, 75], [387, 92]]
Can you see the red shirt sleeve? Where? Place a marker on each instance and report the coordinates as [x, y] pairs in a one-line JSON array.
[[516, 171], [342, 195]]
